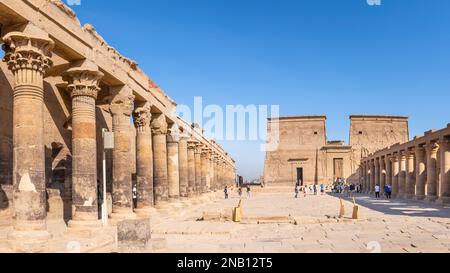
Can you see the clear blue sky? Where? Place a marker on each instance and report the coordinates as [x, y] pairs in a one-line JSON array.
[[333, 57]]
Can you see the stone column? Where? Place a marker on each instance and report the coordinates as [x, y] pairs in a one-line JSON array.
[[445, 171], [191, 168], [121, 109], [421, 172], [372, 176], [377, 173], [432, 177], [212, 163], [28, 58], [173, 171], [388, 167], [402, 175], [83, 86], [395, 174], [366, 176], [410, 176], [205, 172], [382, 173], [144, 160], [160, 182], [198, 168], [183, 164]]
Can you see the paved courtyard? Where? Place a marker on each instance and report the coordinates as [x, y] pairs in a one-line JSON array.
[[274, 221], [277, 222]]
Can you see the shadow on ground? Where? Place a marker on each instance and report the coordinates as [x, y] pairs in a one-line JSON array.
[[399, 206]]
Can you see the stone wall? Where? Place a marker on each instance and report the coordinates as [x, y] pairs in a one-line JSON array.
[[369, 134], [300, 141]]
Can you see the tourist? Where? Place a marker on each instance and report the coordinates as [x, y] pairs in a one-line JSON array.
[[388, 191], [315, 189], [296, 191], [134, 190], [248, 192], [322, 189], [305, 191], [240, 191], [226, 192], [377, 191]]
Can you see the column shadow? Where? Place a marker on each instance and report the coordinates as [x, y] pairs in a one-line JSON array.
[[401, 207]]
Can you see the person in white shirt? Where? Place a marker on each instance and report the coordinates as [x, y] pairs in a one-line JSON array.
[[377, 191]]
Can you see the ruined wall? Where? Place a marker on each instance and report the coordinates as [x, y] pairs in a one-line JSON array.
[[300, 140]]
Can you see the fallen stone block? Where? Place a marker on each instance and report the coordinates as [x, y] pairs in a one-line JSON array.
[[133, 235]]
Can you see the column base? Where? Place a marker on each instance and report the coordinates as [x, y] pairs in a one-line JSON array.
[[29, 241], [410, 196], [174, 199], [431, 198], [419, 197], [88, 224], [145, 212], [444, 200], [116, 217]]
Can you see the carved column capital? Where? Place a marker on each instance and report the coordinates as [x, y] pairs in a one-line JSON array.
[[122, 102], [394, 158], [159, 125], [198, 148], [83, 80], [192, 144], [432, 147], [142, 117], [173, 134], [27, 51]]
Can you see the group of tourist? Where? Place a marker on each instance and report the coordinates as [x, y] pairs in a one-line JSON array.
[[239, 191], [387, 191], [308, 189]]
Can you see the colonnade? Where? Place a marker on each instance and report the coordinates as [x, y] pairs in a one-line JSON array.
[[419, 169], [172, 161]]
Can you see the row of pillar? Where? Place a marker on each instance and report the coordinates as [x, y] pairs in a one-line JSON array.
[[421, 172], [170, 165]]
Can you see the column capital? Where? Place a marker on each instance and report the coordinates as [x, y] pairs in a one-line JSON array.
[[192, 144], [122, 102], [31, 51], [198, 147], [206, 150], [173, 135], [142, 117], [159, 125], [402, 155], [394, 157], [83, 79], [432, 147], [410, 154]]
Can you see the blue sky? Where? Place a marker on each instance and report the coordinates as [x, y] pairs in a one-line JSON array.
[[333, 57]]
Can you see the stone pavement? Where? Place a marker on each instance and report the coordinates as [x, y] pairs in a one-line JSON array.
[[277, 222], [274, 221]]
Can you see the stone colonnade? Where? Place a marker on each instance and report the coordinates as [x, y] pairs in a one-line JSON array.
[[173, 160], [419, 169]]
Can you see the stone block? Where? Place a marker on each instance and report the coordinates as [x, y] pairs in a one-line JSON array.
[[133, 235], [55, 203]]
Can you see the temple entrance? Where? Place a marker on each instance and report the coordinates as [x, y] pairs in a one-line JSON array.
[[338, 168], [300, 176]]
